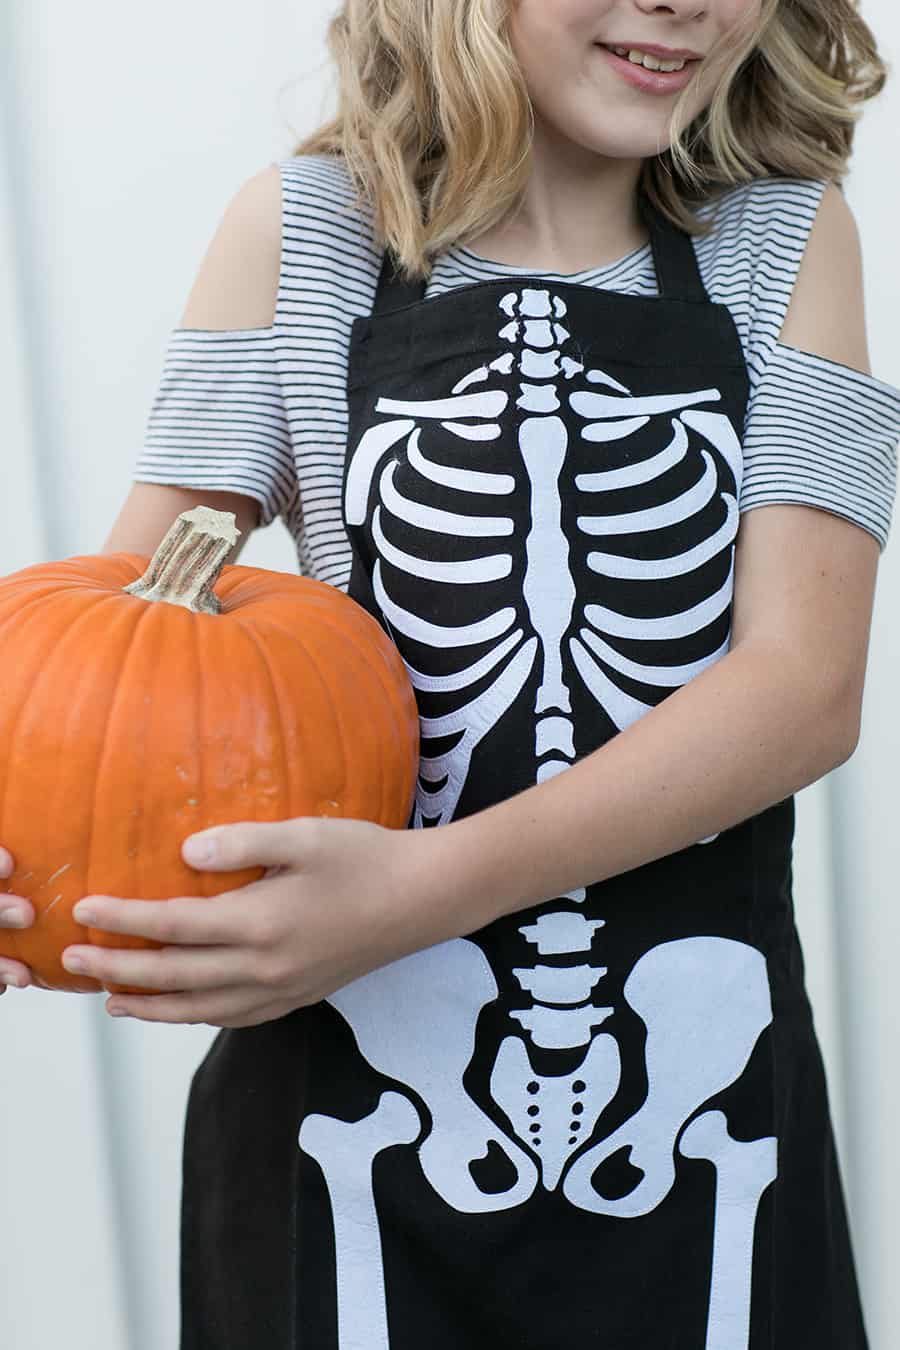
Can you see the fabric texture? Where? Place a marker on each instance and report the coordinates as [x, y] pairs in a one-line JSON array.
[[220, 413], [821, 434], [264, 411]]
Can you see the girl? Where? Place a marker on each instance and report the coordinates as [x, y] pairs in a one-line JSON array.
[[516, 346]]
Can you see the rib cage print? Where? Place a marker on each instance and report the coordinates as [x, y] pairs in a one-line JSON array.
[[550, 550]]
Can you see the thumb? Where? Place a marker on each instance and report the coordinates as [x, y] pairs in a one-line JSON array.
[[250, 843]]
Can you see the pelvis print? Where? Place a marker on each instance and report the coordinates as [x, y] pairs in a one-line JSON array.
[[577, 642], [704, 1002], [600, 633]]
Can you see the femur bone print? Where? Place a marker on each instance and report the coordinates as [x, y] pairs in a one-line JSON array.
[[710, 991], [581, 614]]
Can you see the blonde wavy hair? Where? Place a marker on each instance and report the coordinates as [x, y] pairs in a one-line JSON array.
[[435, 121]]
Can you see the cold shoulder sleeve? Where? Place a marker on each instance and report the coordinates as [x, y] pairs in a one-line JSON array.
[[822, 434], [219, 420]]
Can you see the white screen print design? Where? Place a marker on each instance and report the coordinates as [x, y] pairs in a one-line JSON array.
[[704, 1001], [548, 588]]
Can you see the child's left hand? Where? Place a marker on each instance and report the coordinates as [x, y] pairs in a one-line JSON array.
[[337, 901]]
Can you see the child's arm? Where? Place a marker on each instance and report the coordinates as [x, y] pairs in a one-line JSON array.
[[150, 510], [233, 294], [779, 711]]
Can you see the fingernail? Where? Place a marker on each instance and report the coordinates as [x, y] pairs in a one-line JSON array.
[[199, 850], [12, 977], [75, 964], [13, 918]]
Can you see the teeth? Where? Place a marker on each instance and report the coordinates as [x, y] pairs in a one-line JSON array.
[[640, 58]]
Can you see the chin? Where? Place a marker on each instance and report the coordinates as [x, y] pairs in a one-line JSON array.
[[626, 148], [638, 137]]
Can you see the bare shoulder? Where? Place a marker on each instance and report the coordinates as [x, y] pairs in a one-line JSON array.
[[826, 315], [258, 201], [237, 283]]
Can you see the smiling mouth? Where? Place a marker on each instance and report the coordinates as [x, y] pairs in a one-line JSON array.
[[659, 65], [647, 79]]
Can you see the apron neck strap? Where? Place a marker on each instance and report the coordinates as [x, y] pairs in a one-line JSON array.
[[677, 273], [394, 293]]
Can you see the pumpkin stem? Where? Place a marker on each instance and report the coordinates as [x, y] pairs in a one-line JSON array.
[[187, 563]]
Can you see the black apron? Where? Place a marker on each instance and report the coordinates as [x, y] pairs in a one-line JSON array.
[[601, 1121]]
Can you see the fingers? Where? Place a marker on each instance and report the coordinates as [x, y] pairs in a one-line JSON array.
[[171, 970], [239, 1006], [186, 921], [13, 973], [15, 913]]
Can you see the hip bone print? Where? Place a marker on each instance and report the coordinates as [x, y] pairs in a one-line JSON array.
[[415, 1020], [617, 571]]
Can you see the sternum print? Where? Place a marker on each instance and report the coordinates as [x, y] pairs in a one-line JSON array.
[[543, 444]]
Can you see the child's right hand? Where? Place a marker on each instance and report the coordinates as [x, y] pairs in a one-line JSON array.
[[13, 972]]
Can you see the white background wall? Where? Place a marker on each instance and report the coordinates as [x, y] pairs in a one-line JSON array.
[[123, 133]]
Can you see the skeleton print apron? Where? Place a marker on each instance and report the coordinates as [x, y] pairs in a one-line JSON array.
[[600, 1122]]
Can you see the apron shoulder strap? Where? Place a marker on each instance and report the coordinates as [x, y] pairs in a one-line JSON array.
[[674, 257]]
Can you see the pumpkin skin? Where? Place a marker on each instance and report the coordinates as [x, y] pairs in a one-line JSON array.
[[129, 723]]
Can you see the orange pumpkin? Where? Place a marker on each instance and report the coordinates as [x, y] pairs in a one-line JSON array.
[[138, 706]]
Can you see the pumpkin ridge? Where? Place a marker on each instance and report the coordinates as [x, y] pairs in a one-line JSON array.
[[199, 688], [65, 633], [298, 639], [217, 650], [13, 938], [375, 663], [130, 633], [61, 574], [12, 735], [130, 644], [360, 653], [379, 668], [279, 703], [16, 609]]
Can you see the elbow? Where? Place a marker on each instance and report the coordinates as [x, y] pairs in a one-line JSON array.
[[847, 724], [845, 750]]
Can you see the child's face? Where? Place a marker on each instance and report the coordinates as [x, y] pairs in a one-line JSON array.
[[576, 88]]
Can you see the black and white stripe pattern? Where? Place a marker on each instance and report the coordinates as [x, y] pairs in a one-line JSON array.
[[219, 419], [263, 411], [821, 434]]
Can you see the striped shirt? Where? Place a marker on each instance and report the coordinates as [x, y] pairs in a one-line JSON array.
[[263, 411]]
